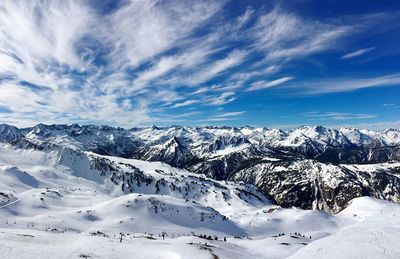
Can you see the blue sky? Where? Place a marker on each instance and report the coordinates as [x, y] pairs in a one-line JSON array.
[[261, 63]]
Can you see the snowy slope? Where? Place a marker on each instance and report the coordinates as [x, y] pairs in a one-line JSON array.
[[375, 236], [85, 200]]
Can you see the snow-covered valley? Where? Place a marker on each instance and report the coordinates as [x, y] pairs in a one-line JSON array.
[[64, 203]]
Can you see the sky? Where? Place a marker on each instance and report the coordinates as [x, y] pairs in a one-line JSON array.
[[129, 63]]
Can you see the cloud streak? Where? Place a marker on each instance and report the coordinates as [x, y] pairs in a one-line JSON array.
[[336, 115], [357, 53], [259, 85], [347, 85], [185, 103]]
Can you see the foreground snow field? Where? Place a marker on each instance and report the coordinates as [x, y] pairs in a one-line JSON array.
[[68, 204]]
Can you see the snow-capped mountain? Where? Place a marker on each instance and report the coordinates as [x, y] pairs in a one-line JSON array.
[[307, 167], [9, 133]]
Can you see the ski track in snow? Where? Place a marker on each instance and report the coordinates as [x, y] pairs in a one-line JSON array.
[[8, 204]]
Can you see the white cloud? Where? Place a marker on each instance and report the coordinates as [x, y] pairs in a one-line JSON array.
[[162, 67], [388, 105], [222, 99], [233, 59], [391, 105], [244, 18], [185, 103], [143, 29], [185, 115], [200, 90], [272, 69], [254, 73], [357, 53], [51, 30], [286, 35], [268, 84], [21, 99], [337, 115], [216, 119], [345, 85], [320, 41], [229, 114], [38, 39]]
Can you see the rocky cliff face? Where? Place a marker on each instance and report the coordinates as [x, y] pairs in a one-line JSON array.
[[307, 167], [310, 184]]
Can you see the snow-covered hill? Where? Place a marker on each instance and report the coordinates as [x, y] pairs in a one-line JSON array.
[[375, 236], [59, 196]]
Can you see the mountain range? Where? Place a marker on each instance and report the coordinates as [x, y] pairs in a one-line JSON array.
[[306, 167]]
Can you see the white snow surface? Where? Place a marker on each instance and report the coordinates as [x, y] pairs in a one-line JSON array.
[[61, 204], [375, 236]]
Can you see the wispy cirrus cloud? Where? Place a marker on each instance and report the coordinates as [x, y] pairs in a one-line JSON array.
[[229, 114], [287, 36], [336, 115], [259, 85], [390, 105], [233, 59], [185, 103], [346, 85], [226, 116], [221, 99], [140, 30], [357, 53]]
